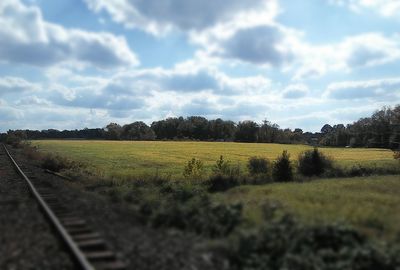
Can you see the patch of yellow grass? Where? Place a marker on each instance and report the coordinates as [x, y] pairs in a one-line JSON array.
[[124, 158]]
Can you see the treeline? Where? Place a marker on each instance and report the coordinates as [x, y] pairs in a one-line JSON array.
[[179, 128], [381, 130]]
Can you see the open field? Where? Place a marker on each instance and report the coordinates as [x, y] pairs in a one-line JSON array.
[[371, 204], [132, 158]]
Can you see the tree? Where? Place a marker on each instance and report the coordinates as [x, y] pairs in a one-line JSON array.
[[268, 132], [113, 131], [326, 129], [246, 131], [138, 131]]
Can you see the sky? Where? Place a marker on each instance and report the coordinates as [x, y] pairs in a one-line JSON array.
[[70, 64]]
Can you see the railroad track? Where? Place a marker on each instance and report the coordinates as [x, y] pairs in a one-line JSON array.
[[86, 246]]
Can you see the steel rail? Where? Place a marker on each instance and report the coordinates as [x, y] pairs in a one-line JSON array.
[[65, 236]]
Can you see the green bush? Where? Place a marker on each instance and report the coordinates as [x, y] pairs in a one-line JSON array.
[[282, 170], [13, 140], [193, 169], [258, 165], [284, 244], [313, 162], [222, 166], [220, 182], [198, 215]]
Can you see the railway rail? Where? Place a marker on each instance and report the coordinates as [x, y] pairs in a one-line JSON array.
[[86, 246]]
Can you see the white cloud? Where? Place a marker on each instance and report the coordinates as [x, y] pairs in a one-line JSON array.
[[261, 44], [158, 17], [295, 91], [386, 8], [382, 89], [32, 100], [16, 85], [140, 89], [365, 50], [26, 38]]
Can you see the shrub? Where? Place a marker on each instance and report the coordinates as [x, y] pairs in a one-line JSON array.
[[284, 244], [13, 140], [258, 165], [193, 169], [222, 167], [313, 162], [198, 215], [282, 170], [31, 152], [220, 182], [55, 163], [181, 191]]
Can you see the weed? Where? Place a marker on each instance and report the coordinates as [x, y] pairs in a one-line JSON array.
[[193, 169]]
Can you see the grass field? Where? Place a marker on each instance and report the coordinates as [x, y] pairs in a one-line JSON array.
[[371, 204], [130, 158]]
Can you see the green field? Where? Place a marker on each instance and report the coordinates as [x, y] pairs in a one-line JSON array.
[[371, 204], [131, 158]]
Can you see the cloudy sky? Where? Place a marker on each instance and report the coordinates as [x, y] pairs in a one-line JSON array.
[[84, 63]]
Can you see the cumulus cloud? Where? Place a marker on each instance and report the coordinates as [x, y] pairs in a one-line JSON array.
[[370, 49], [26, 38], [189, 15], [91, 98], [259, 45], [295, 91], [364, 50], [16, 85], [386, 89], [143, 88], [387, 8]]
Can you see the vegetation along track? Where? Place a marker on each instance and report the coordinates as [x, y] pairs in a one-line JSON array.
[[86, 246]]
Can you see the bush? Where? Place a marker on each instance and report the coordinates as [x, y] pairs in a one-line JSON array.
[[258, 165], [198, 215], [284, 244], [31, 152], [282, 170], [313, 162], [222, 167], [55, 163], [220, 182], [193, 169], [13, 140]]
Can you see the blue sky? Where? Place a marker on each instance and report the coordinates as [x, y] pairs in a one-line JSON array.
[[70, 64]]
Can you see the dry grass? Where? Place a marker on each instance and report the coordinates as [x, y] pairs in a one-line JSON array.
[[130, 158]]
